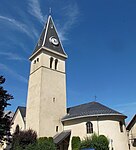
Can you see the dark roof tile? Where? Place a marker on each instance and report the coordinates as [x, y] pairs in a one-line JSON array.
[[89, 109], [22, 111], [62, 136], [49, 32]]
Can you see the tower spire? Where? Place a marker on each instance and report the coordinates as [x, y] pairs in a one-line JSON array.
[[49, 39]]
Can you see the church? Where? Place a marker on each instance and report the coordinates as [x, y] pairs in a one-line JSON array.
[[46, 110]]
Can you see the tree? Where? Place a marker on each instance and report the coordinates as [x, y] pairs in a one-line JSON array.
[[21, 139], [5, 119]]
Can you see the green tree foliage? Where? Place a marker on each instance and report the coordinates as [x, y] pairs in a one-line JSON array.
[[97, 142], [103, 143], [5, 119], [21, 139], [76, 142], [42, 144], [86, 143], [26, 140]]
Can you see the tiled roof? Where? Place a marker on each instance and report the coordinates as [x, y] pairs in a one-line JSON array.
[[62, 136], [22, 111], [48, 32], [89, 109]]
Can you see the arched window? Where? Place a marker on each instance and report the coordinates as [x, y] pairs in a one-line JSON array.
[[17, 130], [37, 59], [121, 126], [51, 61], [89, 127], [56, 62]]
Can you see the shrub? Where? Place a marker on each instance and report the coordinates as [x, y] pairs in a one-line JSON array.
[[43, 143], [42, 139], [97, 142], [86, 143], [103, 143], [21, 139], [76, 142]]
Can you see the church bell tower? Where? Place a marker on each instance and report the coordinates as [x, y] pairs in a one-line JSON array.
[[46, 100]]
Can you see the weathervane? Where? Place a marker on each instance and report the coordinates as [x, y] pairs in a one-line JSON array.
[[95, 98]]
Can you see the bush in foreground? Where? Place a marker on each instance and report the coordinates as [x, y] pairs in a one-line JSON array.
[[97, 142], [42, 144], [21, 139], [76, 142]]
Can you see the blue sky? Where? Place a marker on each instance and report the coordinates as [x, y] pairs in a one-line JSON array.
[[98, 36]]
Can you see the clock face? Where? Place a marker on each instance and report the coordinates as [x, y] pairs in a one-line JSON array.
[[54, 41]]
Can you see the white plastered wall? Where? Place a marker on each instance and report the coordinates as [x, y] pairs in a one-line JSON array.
[[132, 135], [17, 120], [46, 102], [107, 126]]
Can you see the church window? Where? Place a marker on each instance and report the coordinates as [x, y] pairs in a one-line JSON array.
[[34, 61], [121, 126], [57, 128], [54, 99], [89, 127], [51, 61], [17, 129], [37, 59], [56, 62]]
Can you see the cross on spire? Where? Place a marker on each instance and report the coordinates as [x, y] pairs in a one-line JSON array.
[[50, 10], [95, 98]]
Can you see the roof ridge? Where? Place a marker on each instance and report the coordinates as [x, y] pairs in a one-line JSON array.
[[83, 104]]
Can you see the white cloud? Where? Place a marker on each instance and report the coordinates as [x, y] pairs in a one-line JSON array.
[[14, 74], [20, 26], [35, 10], [12, 56], [126, 104], [71, 13]]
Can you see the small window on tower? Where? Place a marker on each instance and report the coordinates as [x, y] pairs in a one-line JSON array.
[[51, 61], [37, 59], [57, 128], [56, 63], [54, 99]]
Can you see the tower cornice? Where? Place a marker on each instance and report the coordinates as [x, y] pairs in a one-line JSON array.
[[44, 49]]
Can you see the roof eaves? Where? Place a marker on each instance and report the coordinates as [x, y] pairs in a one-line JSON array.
[[95, 115]]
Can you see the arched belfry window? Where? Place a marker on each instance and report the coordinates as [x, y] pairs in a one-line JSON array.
[[51, 61], [89, 127], [56, 63]]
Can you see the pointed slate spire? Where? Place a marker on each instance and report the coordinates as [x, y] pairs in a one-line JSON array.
[[49, 38]]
